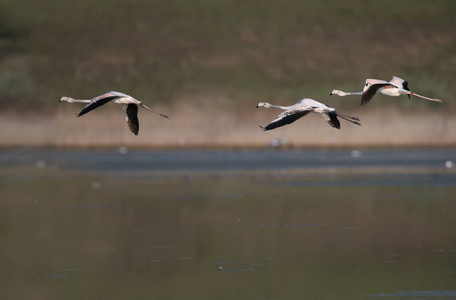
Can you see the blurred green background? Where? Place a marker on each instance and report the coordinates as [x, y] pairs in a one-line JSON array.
[[165, 51]]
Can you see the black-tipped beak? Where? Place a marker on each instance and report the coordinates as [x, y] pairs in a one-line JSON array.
[[331, 93]]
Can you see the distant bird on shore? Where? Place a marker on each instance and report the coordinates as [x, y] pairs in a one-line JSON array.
[[130, 107], [395, 87], [302, 108]]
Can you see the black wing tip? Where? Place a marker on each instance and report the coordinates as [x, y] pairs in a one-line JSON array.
[[405, 85], [365, 100], [133, 128], [333, 120]]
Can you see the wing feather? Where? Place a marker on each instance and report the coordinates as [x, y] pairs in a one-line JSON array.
[[131, 110], [371, 91], [97, 102], [285, 118], [405, 85], [332, 119]]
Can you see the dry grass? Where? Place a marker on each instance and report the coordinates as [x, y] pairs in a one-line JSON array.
[[219, 123]]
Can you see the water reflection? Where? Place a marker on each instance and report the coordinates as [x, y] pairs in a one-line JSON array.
[[92, 226], [418, 294]]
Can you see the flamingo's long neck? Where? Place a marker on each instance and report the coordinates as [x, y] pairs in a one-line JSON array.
[[351, 93], [71, 100], [279, 106]]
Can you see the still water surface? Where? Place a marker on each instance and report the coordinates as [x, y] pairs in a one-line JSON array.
[[308, 224]]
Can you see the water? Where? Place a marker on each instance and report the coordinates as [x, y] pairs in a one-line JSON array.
[[308, 224]]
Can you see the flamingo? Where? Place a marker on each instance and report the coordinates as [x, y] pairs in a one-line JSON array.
[[130, 107], [396, 87], [302, 108]]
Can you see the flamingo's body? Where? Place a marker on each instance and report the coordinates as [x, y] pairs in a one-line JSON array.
[[302, 108], [396, 87], [130, 107]]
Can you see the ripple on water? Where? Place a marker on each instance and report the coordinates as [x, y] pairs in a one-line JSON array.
[[57, 275], [437, 294], [235, 269], [294, 225]]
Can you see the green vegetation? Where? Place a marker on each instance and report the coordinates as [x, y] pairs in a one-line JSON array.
[[166, 51]]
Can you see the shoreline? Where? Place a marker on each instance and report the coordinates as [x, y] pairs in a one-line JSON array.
[[122, 148], [192, 128]]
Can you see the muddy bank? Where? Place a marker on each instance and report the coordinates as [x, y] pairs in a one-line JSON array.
[[223, 125]]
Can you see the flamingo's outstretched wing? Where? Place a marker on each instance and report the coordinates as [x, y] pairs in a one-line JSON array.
[[331, 118], [131, 110], [400, 83], [97, 102], [285, 118], [371, 91]]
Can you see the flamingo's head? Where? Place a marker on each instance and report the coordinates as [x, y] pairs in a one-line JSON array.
[[64, 99], [263, 104], [336, 92]]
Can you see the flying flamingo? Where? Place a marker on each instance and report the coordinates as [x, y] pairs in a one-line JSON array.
[[130, 107], [395, 87], [302, 108]]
